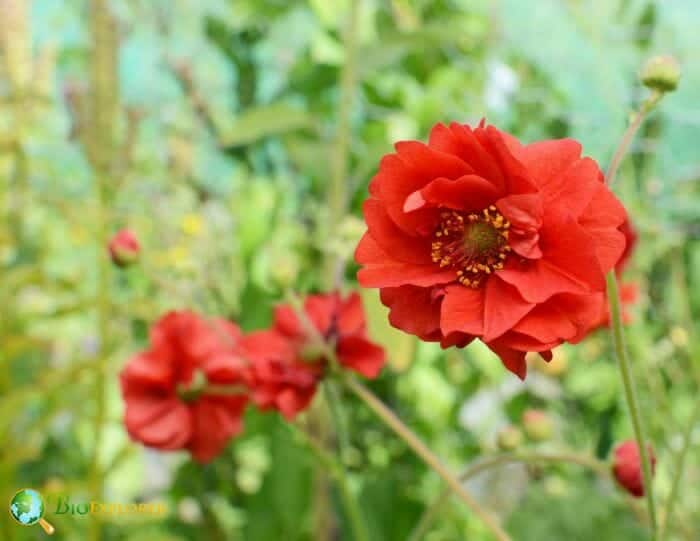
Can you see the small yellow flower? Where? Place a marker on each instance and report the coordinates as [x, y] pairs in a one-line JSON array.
[[192, 225], [179, 256]]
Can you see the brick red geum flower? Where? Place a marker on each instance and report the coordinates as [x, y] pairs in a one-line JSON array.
[[288, 361], [164, 388], [475, 235]]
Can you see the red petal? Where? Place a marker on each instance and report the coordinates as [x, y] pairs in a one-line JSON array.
[[523, 211], [575, 187], [462, 310], [568, 265], [512, 359], [442, 139], [547, 323], [547, 160], [351, 318], [290, 402], [604, 211], [157, 422], [476, 155], [215, 423], [414, 310], [467, 193], [361, 355], [503, 308], [148, 369], [394, 242], [516, 176], [380, 271], [431, 163]]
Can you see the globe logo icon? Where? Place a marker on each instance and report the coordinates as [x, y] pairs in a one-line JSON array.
[[27, 508]]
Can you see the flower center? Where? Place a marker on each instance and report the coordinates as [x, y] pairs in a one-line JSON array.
[[474, 245]]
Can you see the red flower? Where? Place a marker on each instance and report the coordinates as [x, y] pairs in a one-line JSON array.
[[475, 235], [288, 361], [627, 467], [167, 406], [278, 378], [124, 248]]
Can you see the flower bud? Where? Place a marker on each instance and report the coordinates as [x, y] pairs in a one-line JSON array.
[[661, 73], [627, 467], [124, 248], [537, 425], [509, 438]]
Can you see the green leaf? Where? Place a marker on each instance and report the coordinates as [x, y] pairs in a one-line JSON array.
[[259, 122]]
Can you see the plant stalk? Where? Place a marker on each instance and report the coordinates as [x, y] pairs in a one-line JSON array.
[[431, 513], [631, 395], [615, 304], [425, 454]]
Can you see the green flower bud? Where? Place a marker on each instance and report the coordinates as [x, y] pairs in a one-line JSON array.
[[661, 73], [509, 438], [538, 425]]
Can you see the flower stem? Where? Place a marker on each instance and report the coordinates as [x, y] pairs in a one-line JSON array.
[[613, 294], [337, 193], [631, 394], [678, 474], [487, 463], [336, 469], [98, 146], [417, 445], [622, 148]]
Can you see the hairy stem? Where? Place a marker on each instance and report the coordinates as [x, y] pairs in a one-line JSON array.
[[631, 394], [417, 445], [337, 192], [627, 138], [103, 112], [616, 318]]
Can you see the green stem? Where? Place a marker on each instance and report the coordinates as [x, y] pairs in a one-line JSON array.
[[678, 474], [99, 147], [431, 513], [424, 453], [622, 148], [616, 318], [336, 469], [631, 394], [337, 192]]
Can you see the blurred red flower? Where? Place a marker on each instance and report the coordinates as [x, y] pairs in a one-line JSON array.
[[279, 380], [124, 248], [475, 235], [627, 467], [167, 388], [288, 361]]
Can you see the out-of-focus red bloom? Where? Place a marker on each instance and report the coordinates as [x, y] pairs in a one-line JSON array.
[[124, 248], [627, 467], [279, 379], [167, 388], [288, 360], [475, 235]]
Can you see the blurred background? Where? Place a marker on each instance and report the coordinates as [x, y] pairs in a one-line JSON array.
[[214, 129]]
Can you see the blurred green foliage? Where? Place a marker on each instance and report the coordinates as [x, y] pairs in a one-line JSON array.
[[227, 117]]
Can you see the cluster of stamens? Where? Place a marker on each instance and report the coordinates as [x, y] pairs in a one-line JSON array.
[[475, 245]]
